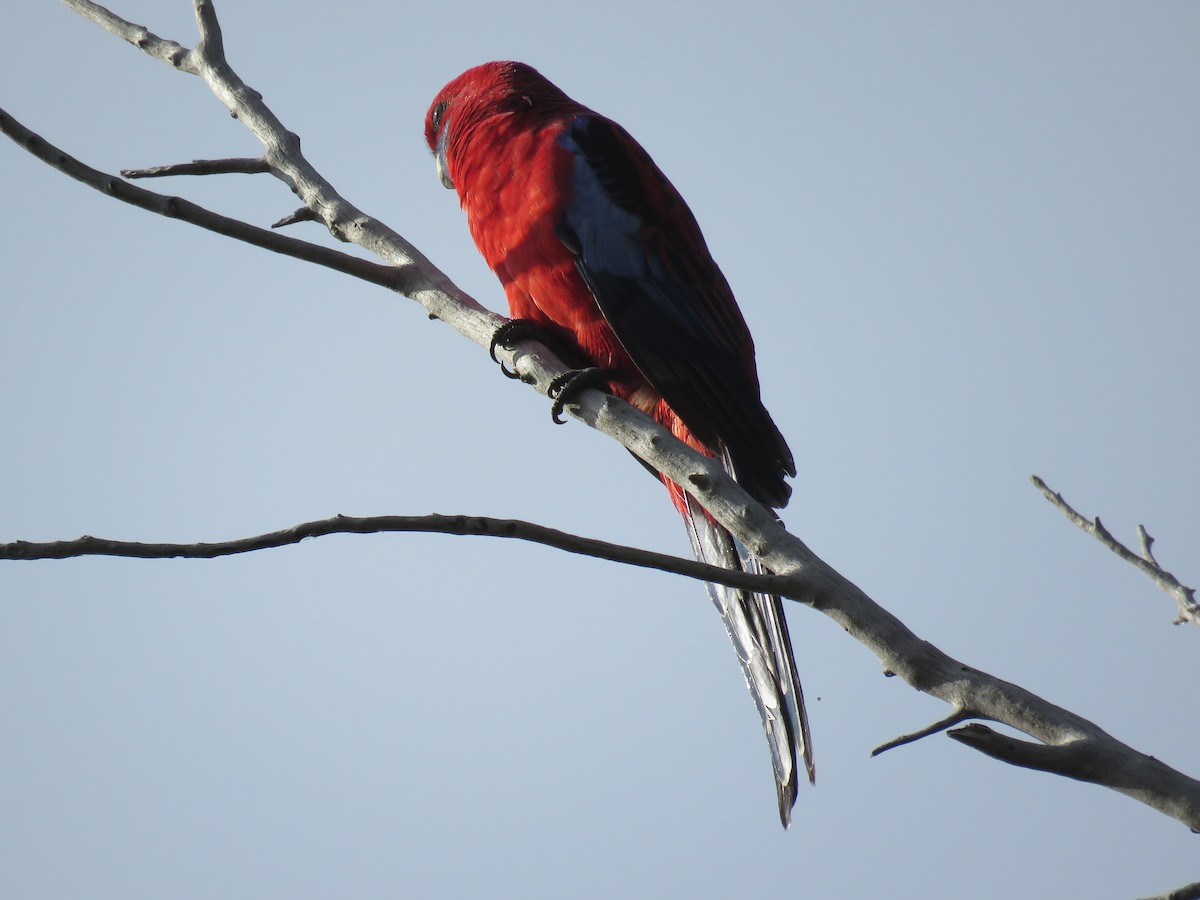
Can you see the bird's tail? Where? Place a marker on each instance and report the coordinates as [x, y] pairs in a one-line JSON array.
[[758, 629]]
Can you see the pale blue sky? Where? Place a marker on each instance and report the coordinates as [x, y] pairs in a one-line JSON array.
[[967, 239]]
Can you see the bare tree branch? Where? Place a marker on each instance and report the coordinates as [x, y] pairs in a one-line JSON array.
[[1110, 765], [424, 282], [432, 524], [1185, 597], [168, 51], [185, 210], [1069, 744]]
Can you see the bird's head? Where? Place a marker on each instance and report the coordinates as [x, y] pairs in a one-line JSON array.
[[477, 95]]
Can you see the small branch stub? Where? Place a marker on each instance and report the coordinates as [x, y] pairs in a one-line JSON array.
[[959, 715]]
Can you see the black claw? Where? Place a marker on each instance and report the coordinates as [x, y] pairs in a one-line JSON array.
[[558, 341], [506, 334], [556, 411], [567, 386]]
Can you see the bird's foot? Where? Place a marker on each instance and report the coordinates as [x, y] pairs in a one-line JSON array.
[[567, 386], [514, 330]]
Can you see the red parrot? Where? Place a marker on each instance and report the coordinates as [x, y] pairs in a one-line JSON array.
[[599, 253]]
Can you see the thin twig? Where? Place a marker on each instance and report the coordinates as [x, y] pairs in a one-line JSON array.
[[1184, 596], [171, 53], [391, 277], [483, 526], [251, 165], [959, 715]]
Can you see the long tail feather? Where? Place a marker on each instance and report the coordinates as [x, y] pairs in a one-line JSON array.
[[758, 630]]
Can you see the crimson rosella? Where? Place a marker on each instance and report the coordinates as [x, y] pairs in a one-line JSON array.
[[597, 250]]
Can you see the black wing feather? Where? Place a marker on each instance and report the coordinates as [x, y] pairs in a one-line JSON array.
[[642, 255]]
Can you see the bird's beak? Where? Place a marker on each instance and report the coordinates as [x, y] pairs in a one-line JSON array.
[[443, 168]]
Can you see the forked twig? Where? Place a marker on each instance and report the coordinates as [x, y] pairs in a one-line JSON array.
[[1184, 596]]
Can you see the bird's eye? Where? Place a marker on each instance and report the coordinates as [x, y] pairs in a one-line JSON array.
[[439, 112]]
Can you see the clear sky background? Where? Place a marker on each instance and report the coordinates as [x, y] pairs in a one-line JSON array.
[[967, 239]]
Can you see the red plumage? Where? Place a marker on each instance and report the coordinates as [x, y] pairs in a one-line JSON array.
[[593, 243]]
